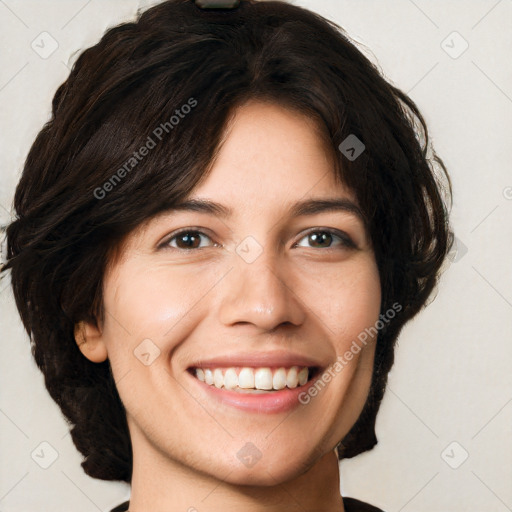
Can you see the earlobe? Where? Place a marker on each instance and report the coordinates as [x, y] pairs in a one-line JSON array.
[[90, 342]]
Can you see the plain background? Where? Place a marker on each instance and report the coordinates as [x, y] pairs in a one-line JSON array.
[[444, 427]]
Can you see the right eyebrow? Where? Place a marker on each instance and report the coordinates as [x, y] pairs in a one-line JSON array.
[[314, 206], [202, 206]]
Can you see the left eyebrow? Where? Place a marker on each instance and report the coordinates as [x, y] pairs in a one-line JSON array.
[[314, 206], [202, 206], [298, 209]]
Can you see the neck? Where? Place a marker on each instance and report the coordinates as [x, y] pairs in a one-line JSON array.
[[160, 484]]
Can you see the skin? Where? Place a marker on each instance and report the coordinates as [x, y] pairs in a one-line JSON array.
[[306, 297]]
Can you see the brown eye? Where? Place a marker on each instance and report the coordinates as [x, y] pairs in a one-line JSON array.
[[320, 238], [324, 239], [186, 240]]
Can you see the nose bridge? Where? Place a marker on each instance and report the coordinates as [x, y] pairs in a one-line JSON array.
[[257, 290]]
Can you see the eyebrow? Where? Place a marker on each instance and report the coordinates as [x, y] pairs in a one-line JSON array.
[[299, 209]]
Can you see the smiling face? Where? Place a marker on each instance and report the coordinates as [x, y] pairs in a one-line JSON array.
[[262, 279]]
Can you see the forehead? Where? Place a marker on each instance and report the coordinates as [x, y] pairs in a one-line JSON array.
[[270, 151]]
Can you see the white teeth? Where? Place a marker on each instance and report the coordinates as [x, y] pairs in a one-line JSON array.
[[303, 376], [218, 379], [279, 379], [230, 379], [263, 378], [246, 378], [208, 376], [254, 379], [291, 377]]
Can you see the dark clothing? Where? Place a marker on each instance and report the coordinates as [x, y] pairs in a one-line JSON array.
[[351, 505], [121, 508]]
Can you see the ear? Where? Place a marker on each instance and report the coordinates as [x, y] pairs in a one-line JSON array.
[[89, 339]]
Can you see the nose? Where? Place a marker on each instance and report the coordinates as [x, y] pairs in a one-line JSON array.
[[260, 293]]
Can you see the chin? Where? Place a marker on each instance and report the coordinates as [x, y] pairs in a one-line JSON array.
[[262, 476], [273, 469]]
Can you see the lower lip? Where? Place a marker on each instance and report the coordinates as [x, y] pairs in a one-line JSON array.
[[272, 402]]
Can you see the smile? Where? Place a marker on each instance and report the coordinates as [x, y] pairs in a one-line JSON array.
[[255, 380], [261, 390]]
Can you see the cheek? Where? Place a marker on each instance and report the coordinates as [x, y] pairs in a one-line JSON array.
[[148, 312], [347, 299], [154, 304]]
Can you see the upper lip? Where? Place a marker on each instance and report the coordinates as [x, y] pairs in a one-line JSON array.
[[257, 360]]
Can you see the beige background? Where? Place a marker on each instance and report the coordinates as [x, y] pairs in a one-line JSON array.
[[452, 380]]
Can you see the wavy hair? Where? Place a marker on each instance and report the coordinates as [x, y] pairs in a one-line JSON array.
[[64, 237]]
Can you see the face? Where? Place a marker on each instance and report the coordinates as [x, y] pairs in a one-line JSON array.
[[262, 285]]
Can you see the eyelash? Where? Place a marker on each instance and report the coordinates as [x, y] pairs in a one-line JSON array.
[[346, 241]]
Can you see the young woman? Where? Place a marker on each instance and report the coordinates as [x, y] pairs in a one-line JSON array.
[[220, 234]]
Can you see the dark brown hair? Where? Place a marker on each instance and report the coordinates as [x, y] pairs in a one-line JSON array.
[[135, 80]]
